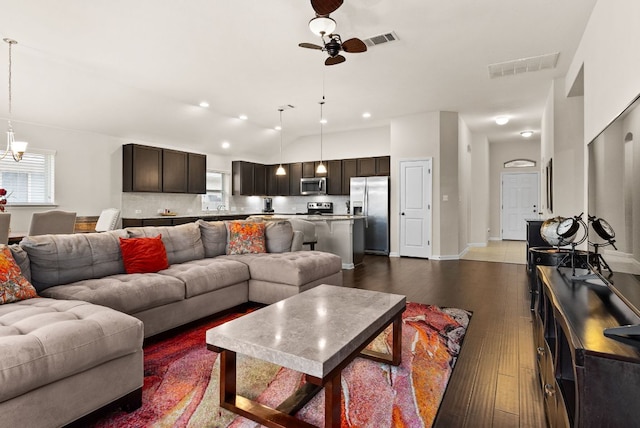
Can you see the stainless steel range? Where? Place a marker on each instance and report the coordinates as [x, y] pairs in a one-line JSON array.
[[319, 208]]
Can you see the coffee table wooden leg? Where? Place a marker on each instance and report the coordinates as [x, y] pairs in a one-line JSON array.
[[396, 350], [227, 377], [332, 401]]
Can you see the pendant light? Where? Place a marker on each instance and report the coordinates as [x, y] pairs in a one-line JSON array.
[[16, 148], [321, 168], [280, 170]]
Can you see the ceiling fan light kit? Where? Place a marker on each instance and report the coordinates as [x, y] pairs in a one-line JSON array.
[[321, 25], [324, 26]]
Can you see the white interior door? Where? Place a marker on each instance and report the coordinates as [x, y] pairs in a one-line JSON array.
[[415, 208], [520, 201]]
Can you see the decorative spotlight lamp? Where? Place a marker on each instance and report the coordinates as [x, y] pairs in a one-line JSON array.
[[16, 148], [280, 170], [321, 168], [604, 230]]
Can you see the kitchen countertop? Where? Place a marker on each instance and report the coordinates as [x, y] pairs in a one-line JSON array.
[[310, 217]]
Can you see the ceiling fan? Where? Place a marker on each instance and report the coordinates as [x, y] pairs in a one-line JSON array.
[[323, 26]]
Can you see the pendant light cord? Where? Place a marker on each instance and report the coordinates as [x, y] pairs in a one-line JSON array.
[[280, 110], [10, 42]]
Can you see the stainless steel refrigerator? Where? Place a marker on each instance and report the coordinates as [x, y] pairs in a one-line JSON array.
[[369, 196]]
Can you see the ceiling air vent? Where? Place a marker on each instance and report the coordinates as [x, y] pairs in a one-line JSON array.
[[523, 65], [382, 38]]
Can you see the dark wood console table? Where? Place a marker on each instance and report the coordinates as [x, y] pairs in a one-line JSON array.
[[588, 380]]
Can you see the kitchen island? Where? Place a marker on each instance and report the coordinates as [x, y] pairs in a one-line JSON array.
[[342, 235]]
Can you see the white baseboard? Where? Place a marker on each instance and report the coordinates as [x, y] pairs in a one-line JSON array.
[[394, 254], [495, 238], [348, 266], [465, 251], [444, 258]]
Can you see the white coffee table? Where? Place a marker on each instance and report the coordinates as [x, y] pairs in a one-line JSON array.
[[318, 333]]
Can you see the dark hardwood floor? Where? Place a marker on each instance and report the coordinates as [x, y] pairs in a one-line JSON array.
[[494, 382]]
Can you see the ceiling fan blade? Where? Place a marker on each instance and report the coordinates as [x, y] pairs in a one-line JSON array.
[[354, 46], [333, 60], [325, 7], [310, 46]]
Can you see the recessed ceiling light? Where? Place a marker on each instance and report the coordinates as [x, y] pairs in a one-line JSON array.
[[366, 115], [204, 104], [225, 145], [243, 117], [502, 120], [278, 128], [526, 134], [323, 121]]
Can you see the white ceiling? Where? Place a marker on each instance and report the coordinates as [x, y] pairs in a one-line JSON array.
[[137, 69]]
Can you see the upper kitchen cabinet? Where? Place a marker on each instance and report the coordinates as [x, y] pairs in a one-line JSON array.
[[277, 185], [141, 168], [242, 178], [334, 177], [308, 169], [152, 169], [368, 167], [383, 165], [197, 180], [175, 172], [248, 178], [349, 169], [295, 174]]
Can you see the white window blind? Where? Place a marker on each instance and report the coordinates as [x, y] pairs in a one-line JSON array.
[[30, 181], [216, 198]]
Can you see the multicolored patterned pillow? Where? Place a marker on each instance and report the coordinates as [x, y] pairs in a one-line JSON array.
[[13, 285], [245, 237]]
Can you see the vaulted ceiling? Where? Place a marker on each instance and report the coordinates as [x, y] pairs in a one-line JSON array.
[[138, 69]]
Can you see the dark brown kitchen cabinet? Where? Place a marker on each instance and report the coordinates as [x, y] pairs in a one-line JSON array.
[[334, 177], [152, 169], [277, 185], [141, 168], [174, 171], [242, 178], [366, 167], [295, 174], [383, 165], [349, 169], [308, 169], [259, 179], [197, 179]]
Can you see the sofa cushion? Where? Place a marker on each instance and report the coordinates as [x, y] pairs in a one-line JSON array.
[[183, 242], [297, 268], [143, 255], [44, 340], [245, 237], [202, 276], [128, 293], [62, 259], [22, 258], [13, 285], [214, 237], [279, 235]]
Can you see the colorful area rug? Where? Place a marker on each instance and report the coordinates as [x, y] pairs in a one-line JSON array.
[[181, 379]]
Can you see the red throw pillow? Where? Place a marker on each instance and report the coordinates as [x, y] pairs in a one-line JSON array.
[[143, 255]]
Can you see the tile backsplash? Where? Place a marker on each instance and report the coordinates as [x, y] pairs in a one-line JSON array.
[[149, 204]]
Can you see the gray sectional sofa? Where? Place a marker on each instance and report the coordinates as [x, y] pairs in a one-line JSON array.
[[78, 346]]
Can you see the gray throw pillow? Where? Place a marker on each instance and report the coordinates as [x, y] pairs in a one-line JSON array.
[[214, 237], [279, 235]]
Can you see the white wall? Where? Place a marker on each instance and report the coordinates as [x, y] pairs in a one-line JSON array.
[[339, 145], [464, 182], [611, 58], [88, 174], [499, 153], [479, 192]]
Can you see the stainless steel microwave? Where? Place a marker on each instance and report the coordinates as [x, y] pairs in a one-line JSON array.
[[313, 186]]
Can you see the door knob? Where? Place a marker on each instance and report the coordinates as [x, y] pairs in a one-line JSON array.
[[401, 213]]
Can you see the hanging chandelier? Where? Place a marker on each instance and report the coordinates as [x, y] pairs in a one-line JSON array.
[[16, 148], [321, 168], [280, 170]]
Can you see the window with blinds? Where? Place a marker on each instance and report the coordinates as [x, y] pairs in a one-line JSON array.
[[216, 197], [30, 181]]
